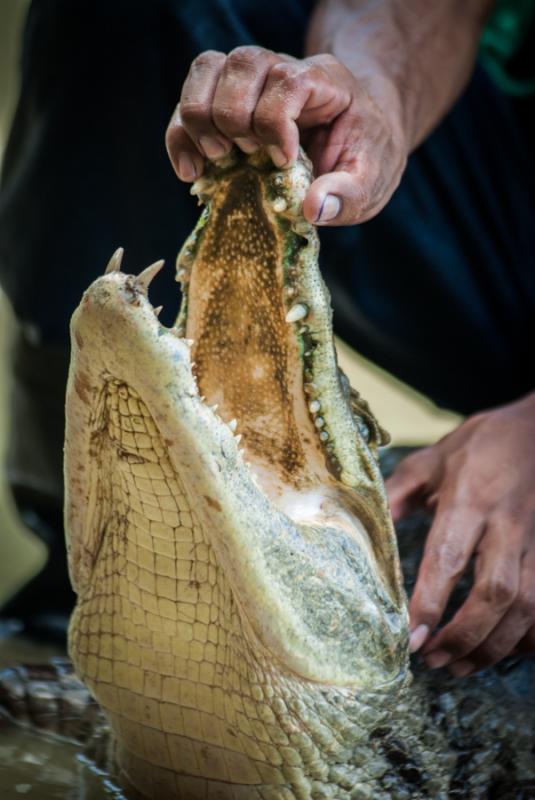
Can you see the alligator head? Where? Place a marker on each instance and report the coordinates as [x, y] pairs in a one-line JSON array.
[[240, 613]]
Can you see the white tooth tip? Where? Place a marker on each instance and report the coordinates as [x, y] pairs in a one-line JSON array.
[[297, 312], [144, 278], [237, 438], [114, 264], [214, 407], [233, 424], [189, 342], [200, 185], [158, 310]]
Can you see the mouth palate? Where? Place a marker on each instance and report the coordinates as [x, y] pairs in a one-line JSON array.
[[242, 321]]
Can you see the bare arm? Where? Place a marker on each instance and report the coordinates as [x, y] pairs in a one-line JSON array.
[[413, 56], [377, 76]]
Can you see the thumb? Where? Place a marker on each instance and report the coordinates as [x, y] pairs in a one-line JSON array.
[[337, 198]]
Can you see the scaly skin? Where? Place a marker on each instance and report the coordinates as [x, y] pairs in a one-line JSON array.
[[240, 614]]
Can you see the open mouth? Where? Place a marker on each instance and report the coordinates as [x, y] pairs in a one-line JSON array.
[[247, 397], [258, 315]]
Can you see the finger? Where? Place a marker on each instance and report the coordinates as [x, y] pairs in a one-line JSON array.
[[358, 164], [351, 194], [413, 478], [296, 92], [455, 532], [196, 104], [492, 595], [185, 157], [511, 630], [238, 91]]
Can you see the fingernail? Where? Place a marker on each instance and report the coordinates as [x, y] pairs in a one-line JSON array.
[[212, 147], [277, 156], [247, 145], [186, 167], [437, 659], [461, 668], [418, 637], [329, 209]]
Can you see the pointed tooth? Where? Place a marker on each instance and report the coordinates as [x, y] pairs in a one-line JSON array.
[[237, 438], [201, 185], [189, 342], [297, 312], [144, 278], [233, 424], [114, 264], [279, 205], [214, 407], [158, 310]]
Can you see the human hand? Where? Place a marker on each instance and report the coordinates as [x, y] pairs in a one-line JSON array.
[[254, 97], [480, 480]]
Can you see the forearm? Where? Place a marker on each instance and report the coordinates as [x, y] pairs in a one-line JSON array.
[[414, 56]]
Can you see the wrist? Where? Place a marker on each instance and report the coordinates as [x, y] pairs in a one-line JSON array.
[[413, 58]]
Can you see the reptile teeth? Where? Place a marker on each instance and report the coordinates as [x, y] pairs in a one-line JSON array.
[[237, 438], [233, 424], [279, 205], [158, 310], [114, 264], [144, 279], [297, 312]]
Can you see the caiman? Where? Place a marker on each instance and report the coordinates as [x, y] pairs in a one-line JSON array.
[[241, 617]]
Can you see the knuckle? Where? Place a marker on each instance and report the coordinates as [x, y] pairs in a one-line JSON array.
[[245, 57], [193, 113], [207, 59], [448, 558], [498, 590], [291, 76], [431, 611], [325, 60]]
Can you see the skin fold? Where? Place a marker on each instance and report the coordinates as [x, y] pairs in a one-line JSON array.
[[376, 79]]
